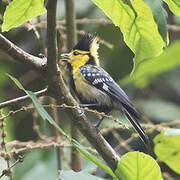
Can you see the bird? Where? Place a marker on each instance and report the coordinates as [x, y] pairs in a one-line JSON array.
[[94, 87]]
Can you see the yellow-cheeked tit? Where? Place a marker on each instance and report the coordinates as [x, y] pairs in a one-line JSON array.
[[94, 87]]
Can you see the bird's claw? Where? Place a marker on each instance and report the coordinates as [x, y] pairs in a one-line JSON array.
[[81, 112], [97, 128]]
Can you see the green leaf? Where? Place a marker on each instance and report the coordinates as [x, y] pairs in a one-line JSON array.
[[138, 166], [69, 174], [160, 16], [148, 69], [167, 148], [174, 6], [136, 22], [43, 113], [92, 158], [18, 84], [20, 11]]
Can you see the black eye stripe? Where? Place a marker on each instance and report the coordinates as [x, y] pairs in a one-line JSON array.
[[75, 53]]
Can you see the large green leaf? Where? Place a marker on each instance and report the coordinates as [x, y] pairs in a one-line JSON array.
[[160, 15], [148, 69], [174, 6], [43, 113], [69, 174], [20, 11], [136, 22], [167, 148], [138, 166]]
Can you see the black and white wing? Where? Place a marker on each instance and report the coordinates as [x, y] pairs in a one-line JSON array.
[[100, 79]]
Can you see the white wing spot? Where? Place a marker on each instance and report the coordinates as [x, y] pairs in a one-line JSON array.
[[95, 81], [89, 74], [105, 87]]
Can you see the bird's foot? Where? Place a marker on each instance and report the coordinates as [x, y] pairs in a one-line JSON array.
[[81, 112], [98, 125], [97, 128]]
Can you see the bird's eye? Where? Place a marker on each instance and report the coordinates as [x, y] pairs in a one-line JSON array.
[[75, 53]]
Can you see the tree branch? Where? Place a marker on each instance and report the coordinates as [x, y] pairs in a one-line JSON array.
[[52, 67], [57, 88], [21, 56], [42, 92], [76, 163], [59, 91], [70, 24], [62, 95], [51, 38]]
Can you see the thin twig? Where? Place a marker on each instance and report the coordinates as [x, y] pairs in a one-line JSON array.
[[36, 126], [42, 92], [173, 27], [61, 26], [3, 146], [7, 172], [27, 146], [102, 21], [157, 127]]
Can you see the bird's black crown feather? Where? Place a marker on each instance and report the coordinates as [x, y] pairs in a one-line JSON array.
[[84, 43]]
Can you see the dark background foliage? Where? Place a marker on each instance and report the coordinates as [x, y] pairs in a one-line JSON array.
[[159, 101]]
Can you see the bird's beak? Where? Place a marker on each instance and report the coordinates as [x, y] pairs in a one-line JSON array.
[[65, 57]]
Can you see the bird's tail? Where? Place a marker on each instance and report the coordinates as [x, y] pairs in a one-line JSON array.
[[133, 116]]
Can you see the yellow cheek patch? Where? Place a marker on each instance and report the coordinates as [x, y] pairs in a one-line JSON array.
[[78, 60]]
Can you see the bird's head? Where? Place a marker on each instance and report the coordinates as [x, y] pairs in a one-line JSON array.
[[83, 53]]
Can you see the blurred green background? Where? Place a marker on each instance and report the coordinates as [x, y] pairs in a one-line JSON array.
[[158, 99]]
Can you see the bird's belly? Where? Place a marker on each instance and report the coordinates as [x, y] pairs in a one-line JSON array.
[[88, 94]]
